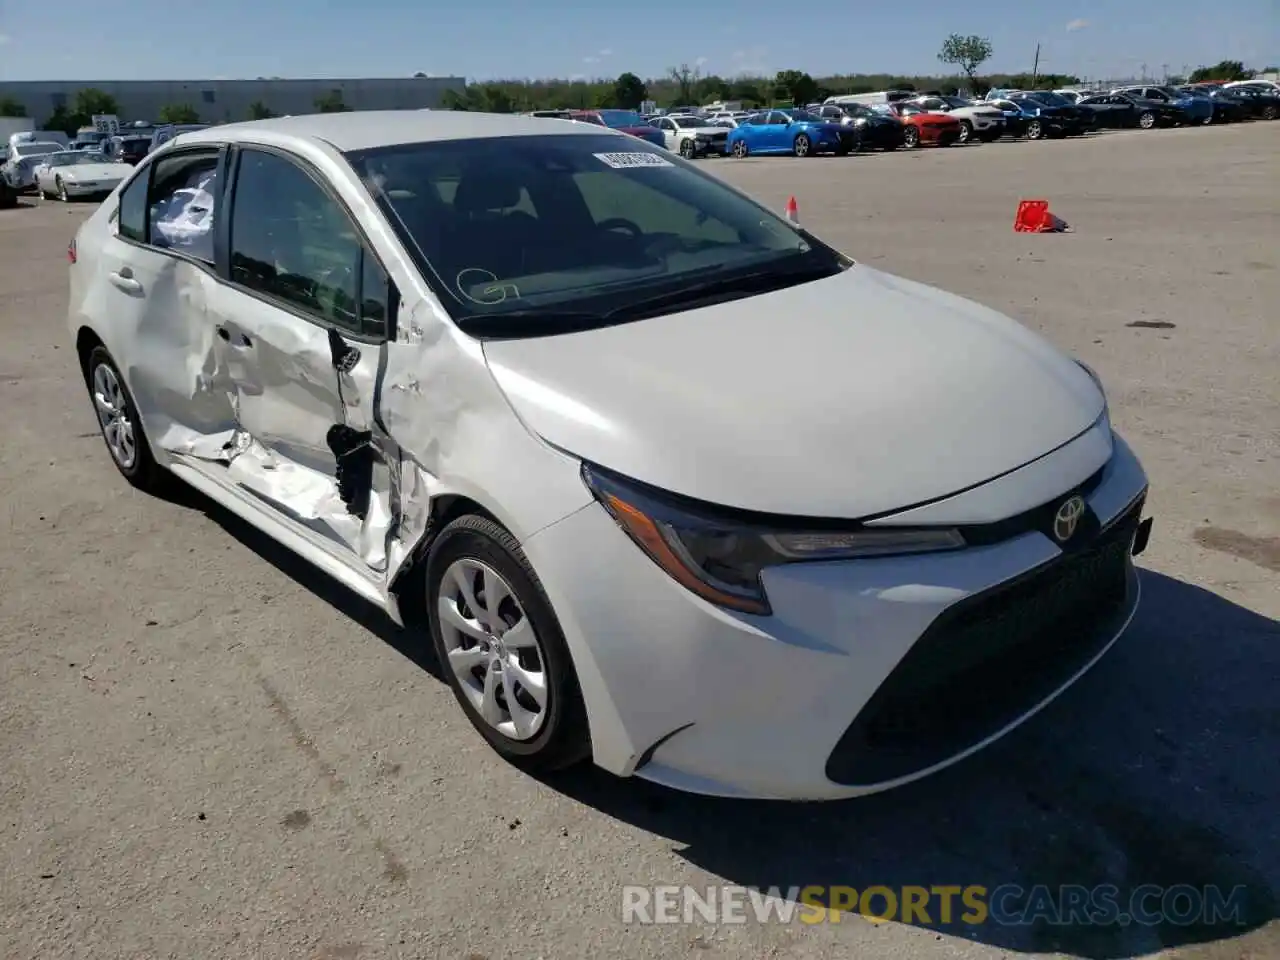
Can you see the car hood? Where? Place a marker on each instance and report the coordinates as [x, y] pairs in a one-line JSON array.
[[846, 397], [98, 171]]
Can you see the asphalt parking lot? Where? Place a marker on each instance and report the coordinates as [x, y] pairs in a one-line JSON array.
[[206, 750]]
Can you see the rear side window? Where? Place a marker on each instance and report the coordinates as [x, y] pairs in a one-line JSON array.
[[183, 203]]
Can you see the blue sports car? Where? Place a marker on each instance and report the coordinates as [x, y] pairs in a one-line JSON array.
[[792, 131]]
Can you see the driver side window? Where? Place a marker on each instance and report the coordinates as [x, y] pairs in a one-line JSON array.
[[293, 242]]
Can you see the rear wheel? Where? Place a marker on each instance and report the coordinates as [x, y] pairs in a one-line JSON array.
[[1270, 112], [501, 648], [62, 190], [911, 138], [686, 148], [118, 420]]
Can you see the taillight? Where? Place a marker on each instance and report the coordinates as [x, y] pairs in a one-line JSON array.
[[71, 251]]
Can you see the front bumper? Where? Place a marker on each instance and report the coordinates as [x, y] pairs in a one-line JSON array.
[[810, 703]]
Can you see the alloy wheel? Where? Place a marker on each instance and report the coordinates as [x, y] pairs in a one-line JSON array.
[[114, 417], [740, 149], [966, 131], [1147, 121], [493, 649], [802, 146]]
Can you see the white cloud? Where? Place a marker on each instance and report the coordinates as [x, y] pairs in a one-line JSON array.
[[590, 59], [1077, 25], [606, 52]]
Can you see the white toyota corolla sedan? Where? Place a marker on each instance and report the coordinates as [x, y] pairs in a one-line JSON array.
[[672, 484]]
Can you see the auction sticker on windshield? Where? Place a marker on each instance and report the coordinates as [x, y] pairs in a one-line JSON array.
[[625, 161]]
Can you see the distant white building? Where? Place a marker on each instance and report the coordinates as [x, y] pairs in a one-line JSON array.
[[223, 101]]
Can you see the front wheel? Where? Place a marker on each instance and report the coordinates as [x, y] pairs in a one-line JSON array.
[[501, 648], [740, 149], [966, 131], [62, 190], [1147, 120], [1034, 130], [802, 146], [911, 138], [687, 149], [1270, 112]]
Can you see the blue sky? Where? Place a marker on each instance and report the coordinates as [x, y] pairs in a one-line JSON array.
[[180, 39]]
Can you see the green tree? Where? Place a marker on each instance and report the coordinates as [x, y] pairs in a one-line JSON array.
[[629, 92], [179, 113], [332, 102], [10, 107], [260, 111], [64, 120], [796, 86], [748, 91], [1225, 70], [90, 101], [967, 53]]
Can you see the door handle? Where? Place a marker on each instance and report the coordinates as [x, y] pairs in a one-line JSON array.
[[124, 280]]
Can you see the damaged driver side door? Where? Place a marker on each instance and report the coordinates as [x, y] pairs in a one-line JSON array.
[[303, 317]]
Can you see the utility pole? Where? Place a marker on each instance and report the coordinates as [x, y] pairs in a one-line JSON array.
[[1035, 67], [1164, 72], [1143, 78]]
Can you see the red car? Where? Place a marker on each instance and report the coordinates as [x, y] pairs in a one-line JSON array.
[[626, 121], [922, 126]]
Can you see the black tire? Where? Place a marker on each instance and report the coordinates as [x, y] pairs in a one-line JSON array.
[[62, 190], [687, 148], [989, 137], [8, 197], [1270, 112], [1035, 131], [911, 138], [143, 473], [966, 131], [564, 738], [803, 146], [740, 149], [1147, 120]]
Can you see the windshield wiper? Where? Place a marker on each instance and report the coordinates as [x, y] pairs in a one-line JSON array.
[[531, 322], [761, 281]]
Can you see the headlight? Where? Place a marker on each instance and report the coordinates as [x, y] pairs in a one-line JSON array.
[[720, 558]]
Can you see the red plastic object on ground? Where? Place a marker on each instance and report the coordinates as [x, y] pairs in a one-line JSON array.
[[793, 210], [1034, 217]]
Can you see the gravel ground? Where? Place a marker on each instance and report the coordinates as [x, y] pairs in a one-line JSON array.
[[208, 751]]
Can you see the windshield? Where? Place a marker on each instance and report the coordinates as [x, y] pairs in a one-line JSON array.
[[531, 228], [688, 121], [37, 149], [621, 118]]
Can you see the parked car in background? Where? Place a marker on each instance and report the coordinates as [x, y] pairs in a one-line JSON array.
[[690, 136], [980, 121], [921, 126], [1036, 119], [1197, 109], [625, 121], [1119, 110], [1261, 102], [74, 174], [792, 131], [1269, 86], [1227, 108], [24, 157], [876, 131], [128, 148], [551, 114]]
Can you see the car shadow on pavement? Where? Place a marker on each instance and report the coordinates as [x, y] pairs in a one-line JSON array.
[[411, 643], [1160, 767]]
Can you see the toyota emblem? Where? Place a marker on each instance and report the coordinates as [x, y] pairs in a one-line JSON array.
[[1067, 519]]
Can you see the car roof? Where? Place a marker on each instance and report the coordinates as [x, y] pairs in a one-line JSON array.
[[366, 129]]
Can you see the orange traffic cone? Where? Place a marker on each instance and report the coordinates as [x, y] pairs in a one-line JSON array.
[[1033, 216], [793, 211]]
